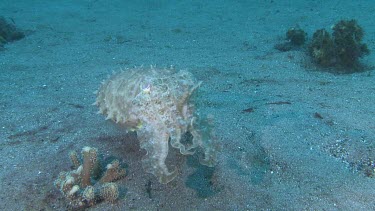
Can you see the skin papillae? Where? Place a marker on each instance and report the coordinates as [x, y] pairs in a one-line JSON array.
[[158, 105]]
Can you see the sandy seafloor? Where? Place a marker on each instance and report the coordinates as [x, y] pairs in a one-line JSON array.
[[280, 156]]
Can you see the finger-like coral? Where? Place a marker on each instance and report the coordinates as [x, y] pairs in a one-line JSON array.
[[109, 192], [80, 187], [113, 172], [156, 103]]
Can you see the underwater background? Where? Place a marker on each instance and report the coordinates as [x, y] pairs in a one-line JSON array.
[[295, 130]]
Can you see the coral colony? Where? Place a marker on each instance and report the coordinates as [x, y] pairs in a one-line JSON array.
[[8, 32], [342, 49], [156, 104], [296, 36], [87, 185]]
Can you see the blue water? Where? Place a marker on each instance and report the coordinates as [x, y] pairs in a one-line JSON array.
[[291, 134]]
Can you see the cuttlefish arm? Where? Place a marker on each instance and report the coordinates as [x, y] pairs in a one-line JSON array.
[[155, 141]]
